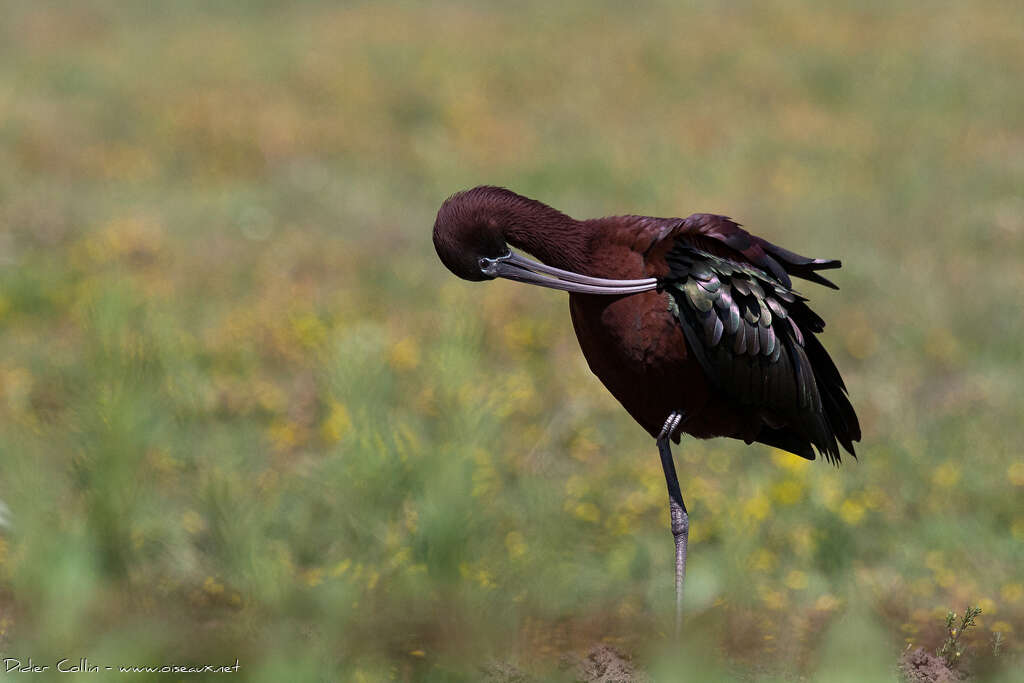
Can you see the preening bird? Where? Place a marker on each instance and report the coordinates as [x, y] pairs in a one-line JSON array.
[[691, 323]]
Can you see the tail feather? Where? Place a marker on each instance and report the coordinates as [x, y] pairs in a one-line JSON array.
[[838, 411], [801, 266]]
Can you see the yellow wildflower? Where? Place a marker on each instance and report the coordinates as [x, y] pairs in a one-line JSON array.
[[757, 507], [309, 330], [796, 579], [946, 475], [337, 424], [283, 434], [851, 512], [772, 599], [192, 523], [1012, 592], [405, 354], [515, 544], [788, 492], [313, 577], [789, 461], [827, 602], [212, 586], [763, 560], [575, 486], [588, 512]]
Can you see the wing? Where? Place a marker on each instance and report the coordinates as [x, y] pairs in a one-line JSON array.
[[723, 236], [754, 336]]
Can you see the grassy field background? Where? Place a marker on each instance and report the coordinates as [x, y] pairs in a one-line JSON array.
[[246, 414]]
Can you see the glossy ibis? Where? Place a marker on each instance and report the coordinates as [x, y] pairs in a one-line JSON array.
[[691, 323]]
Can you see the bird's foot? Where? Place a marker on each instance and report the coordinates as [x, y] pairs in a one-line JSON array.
[[671, 423]]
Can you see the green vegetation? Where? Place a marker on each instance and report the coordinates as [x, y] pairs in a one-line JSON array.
[[246, 414], [952, 649]]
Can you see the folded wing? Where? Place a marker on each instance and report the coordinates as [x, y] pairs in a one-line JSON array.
[[754, 336]]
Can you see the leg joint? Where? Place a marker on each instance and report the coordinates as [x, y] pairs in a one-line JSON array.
[[680, 520]]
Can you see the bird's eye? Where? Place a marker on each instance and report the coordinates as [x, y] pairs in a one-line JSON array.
[[489, 266]]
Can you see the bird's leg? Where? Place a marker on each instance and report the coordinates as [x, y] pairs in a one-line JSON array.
[[677, 511]]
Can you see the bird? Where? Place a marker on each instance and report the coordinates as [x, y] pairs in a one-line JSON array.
[[691, 323]]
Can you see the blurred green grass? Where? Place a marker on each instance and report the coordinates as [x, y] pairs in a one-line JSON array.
[[245, 413]]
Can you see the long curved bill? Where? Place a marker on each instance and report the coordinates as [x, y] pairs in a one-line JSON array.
[[521, 269]]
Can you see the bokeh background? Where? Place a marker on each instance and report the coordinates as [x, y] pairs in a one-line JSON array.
[[246, 414]]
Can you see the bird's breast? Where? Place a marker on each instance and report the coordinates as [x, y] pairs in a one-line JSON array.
[[631, 333], [637, 350], [635, 345]]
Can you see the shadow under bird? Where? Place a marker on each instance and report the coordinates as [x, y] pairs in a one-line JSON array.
[[691, 323]]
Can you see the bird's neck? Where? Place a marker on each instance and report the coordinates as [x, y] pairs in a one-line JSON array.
[[548, 234]]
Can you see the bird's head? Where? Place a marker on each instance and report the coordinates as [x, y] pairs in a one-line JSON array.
[[470, 238], [466, 232]]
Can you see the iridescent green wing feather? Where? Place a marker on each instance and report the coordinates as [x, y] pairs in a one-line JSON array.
[[754, 337]]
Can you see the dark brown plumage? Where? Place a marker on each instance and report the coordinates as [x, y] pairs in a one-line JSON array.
[[724, 338], [691, 323]]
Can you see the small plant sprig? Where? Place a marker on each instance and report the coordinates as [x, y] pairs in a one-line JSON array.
[[951, 650]]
